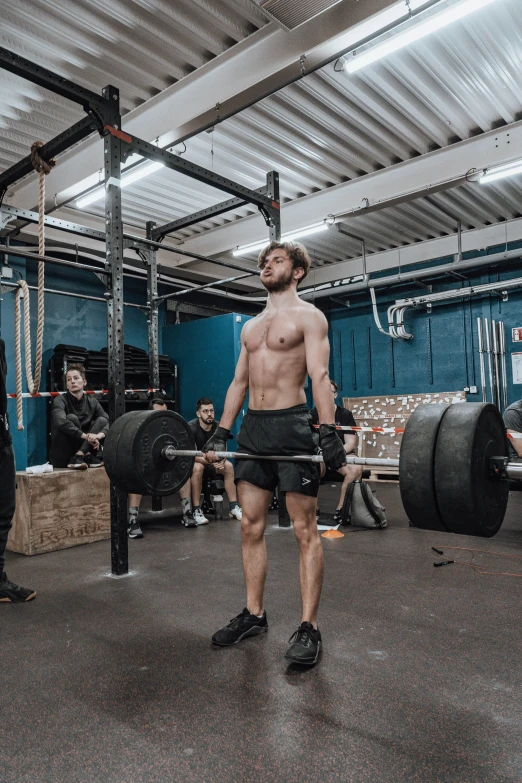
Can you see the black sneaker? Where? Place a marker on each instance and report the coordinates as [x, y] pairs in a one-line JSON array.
[[92, 461], [338, 516], [12, 593], [135, 529], [245, 624], [77, 463], [305, 645]]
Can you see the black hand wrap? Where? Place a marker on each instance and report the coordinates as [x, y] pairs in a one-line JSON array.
[[334, 454], [218, 441]]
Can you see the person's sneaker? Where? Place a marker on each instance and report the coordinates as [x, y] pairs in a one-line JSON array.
[[305, 645], [135, 530], [236, 513], [77, 463], [245, 624], [13, 593], [92, 460], [338, 516], [188, 519], [199, 517]]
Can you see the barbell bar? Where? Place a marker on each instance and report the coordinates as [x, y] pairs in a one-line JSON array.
[[453, 465]]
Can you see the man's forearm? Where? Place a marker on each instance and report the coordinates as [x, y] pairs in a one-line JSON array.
[[233, 401], [516, 442], [350, 443], [322, 392]]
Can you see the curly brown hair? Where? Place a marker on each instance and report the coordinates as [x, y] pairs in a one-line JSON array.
[[297, 253]]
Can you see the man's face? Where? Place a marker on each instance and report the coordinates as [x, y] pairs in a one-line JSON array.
[[206, 414], [277, 273], [158, 407], [334, 391], [75, 382]]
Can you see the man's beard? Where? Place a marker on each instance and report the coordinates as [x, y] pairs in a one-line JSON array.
[[277, 286]]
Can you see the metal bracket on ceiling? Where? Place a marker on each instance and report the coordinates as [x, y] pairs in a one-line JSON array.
[[5, 219], [427, 286]]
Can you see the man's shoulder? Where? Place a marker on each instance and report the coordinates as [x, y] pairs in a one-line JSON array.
[[193, 423], [513, 412]]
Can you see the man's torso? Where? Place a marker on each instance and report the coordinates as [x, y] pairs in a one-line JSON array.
[[200, 435], [274, 342]]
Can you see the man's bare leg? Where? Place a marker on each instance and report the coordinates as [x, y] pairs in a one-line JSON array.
[[196, 483], [349, 473], [134, 501], [228, 480], [254, 502], [301, 509], [184, 492]]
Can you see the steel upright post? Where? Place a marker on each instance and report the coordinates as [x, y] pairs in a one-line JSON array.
[[272, 190], [153, 317], [115, 333]]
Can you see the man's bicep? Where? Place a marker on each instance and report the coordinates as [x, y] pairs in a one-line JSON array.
[[317, 346], [241, 372]]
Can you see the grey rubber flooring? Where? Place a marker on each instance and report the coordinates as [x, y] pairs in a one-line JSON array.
[[115, 679]]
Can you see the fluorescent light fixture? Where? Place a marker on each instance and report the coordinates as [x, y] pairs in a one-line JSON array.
[[499, 172], [302, 232], [127, 179], [434, 22]]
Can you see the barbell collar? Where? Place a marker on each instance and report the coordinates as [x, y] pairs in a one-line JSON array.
[[171, 453]]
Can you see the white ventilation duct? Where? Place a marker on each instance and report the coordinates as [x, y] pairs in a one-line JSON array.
[[293, 13]]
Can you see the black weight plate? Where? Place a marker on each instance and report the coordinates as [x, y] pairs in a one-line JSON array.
[[417, 458], [470, 501], [133, 452]]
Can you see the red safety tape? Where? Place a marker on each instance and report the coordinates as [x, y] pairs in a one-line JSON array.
[[390, 430], [86, 391]]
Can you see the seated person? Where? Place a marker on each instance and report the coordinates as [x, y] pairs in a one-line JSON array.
[[78, 425], [344, 418], [203, 427], [513, 420], [134, 529]]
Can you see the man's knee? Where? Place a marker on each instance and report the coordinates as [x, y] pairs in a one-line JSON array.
[[351, 472], [305, 530], [198, 469], [75, 420], [252, 529]]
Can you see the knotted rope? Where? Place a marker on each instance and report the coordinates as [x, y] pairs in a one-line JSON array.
[[42, 167]]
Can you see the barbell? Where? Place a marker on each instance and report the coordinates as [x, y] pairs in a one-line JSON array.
[[453, 466]]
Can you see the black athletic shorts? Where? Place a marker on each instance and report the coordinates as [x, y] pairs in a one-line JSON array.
[[286, 431]]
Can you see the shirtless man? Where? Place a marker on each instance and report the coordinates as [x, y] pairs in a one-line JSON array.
[[278, 348]]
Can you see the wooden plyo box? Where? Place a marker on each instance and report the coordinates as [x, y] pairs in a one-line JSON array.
[[59, 510]]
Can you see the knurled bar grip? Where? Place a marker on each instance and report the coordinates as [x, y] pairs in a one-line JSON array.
[[171, 453]]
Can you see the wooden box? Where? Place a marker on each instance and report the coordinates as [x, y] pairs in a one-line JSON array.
[[390, 411], [59, 510]]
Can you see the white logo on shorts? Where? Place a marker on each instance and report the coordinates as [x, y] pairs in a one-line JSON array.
[[306, 481]]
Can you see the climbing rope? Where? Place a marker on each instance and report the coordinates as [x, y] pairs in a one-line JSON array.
[[42, 167]]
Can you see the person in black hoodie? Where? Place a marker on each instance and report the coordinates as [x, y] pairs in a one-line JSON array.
[[9, 591], [78, 425]]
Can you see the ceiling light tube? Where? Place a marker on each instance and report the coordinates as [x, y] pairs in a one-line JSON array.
[[499, 172], [127, 179], [413, 33], [289, 237]]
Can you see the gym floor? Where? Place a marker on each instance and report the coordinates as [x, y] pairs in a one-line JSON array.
[[115, 679]]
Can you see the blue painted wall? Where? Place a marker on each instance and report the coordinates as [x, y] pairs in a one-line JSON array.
[[67, 320], [206, 352], [443, 354]]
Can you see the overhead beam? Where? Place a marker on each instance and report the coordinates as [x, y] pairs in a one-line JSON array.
[[256, 67], [386, 187]]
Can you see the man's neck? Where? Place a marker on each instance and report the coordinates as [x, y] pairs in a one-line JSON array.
[[280, 300]]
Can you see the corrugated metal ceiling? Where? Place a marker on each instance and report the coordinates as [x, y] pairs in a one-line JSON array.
[[141, 46], [326, 129]]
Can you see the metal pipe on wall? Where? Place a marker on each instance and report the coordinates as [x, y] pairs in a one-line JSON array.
[[496, 366], [502, 334], [69, 293], [481, 359], [488, 352]]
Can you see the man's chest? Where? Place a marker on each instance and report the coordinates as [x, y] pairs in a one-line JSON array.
[[275, 333]]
